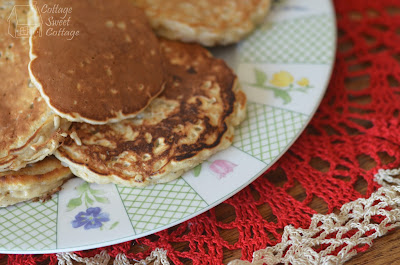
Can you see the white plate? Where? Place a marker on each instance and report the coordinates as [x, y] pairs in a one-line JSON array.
[[284, 68]]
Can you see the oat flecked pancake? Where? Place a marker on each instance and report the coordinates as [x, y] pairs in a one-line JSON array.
[[29, 130], [36, 181], [208, 22], [191, 120], [103, 65]]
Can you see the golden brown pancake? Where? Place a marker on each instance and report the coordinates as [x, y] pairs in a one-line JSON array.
[[191, 120], [29, 130], [208, 22], [109, 72], [36, 181]]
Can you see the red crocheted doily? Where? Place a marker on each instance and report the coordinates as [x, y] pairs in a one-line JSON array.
[[356, 123]]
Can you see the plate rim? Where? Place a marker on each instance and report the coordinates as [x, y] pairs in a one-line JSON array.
[[332, 17]]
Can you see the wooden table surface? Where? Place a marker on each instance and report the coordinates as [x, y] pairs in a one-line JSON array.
[[386, 250]]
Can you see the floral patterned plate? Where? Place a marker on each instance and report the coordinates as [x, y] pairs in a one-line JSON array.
[[284, 68]]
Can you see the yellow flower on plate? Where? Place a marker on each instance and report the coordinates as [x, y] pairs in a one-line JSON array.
[[282, 79], [303, 82]]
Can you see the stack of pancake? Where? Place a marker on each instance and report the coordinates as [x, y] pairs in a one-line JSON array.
[[117, 104]]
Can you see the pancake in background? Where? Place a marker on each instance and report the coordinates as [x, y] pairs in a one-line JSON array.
[[109, 72], [190, 121], [29, 130], [208, 22], [36, 181]]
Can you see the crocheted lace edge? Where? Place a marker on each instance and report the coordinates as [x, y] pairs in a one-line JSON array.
[[340, 233]]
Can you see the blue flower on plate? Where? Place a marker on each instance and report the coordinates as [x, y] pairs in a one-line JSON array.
[[91, 219]]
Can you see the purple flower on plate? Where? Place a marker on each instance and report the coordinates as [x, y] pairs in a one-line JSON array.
[[222, 167], [91, 219]]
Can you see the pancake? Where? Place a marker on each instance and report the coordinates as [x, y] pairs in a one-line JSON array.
[[29, 130], [190, 121], [208, 22], [36, 181], [108, 71]]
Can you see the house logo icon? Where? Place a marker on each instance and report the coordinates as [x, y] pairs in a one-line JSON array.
[[21, 27]]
